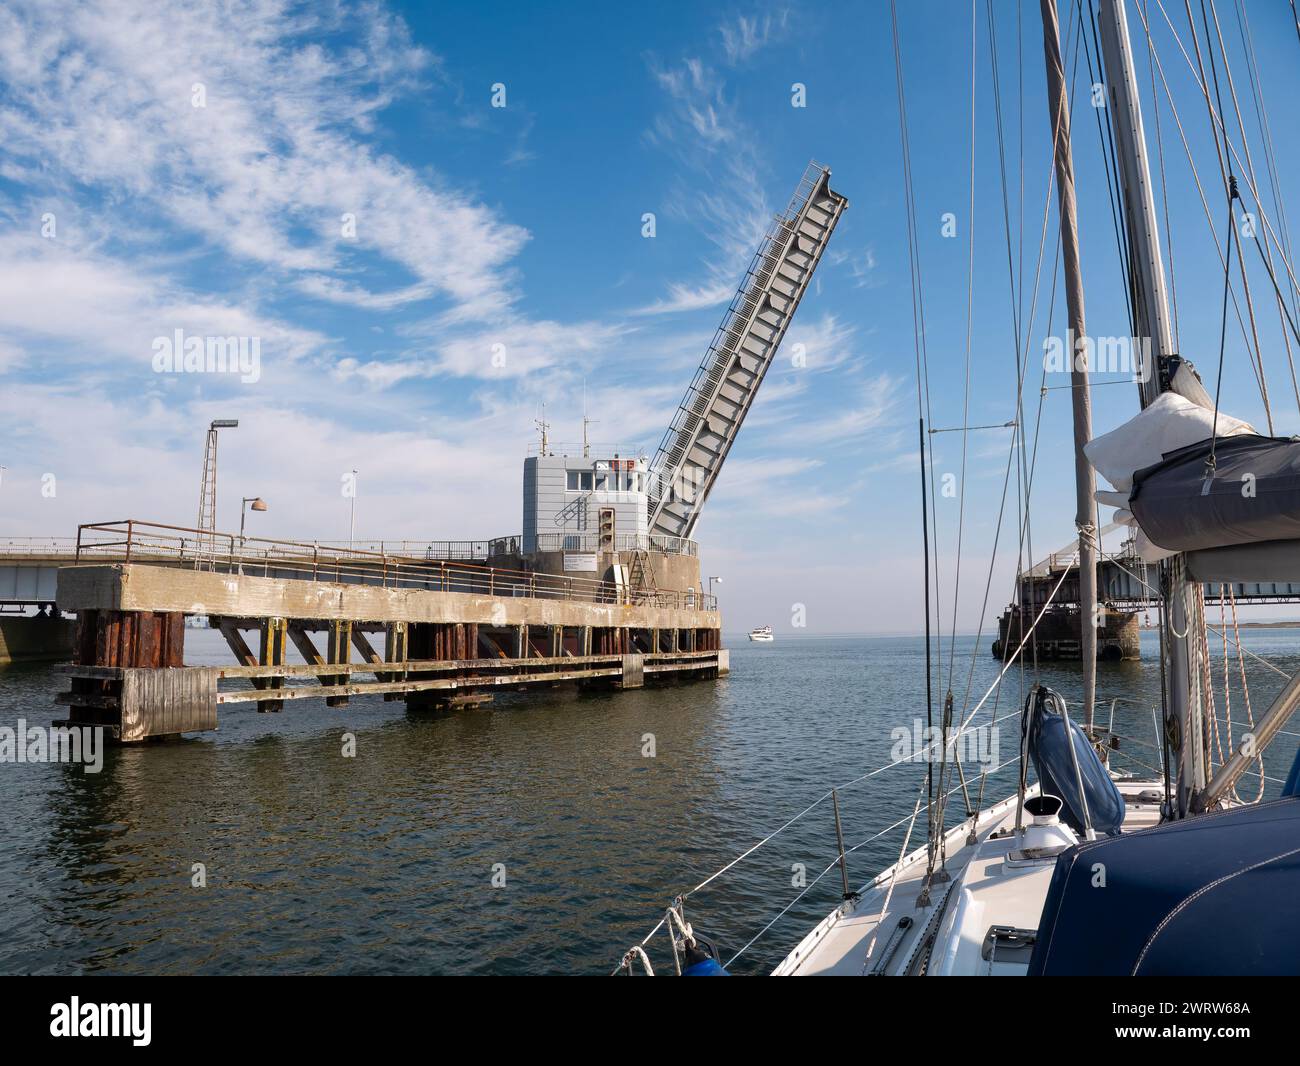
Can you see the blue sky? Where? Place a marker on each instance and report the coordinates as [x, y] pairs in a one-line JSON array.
[[520, 227]]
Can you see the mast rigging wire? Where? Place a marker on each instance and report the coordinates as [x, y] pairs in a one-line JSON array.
[[1217, 125], [922, 365], [1263, 215], [1164, 185], [1265, 132], [970, 320], [1191, 162], [1250, 170]]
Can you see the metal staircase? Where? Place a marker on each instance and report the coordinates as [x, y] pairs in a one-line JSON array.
[[642, 585], [709, 417]]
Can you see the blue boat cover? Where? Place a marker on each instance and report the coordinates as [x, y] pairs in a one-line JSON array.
[[1292, 786], [1049, 745], [1209, 895]]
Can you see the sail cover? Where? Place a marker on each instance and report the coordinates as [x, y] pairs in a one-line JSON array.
[[1253, 496], [1077, 777], [1214, 894]]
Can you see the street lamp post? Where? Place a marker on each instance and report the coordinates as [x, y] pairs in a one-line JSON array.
[[711, 581], [259, 504]]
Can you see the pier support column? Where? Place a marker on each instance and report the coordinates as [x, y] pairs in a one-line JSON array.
[[395, 636], [338, 651], [633, 671], [120, 638], [272, 633], [584, 641]]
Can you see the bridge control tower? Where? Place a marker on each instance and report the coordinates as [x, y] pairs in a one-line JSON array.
[[586, 514]]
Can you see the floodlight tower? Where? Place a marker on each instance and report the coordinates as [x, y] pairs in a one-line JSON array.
[[207, 524]]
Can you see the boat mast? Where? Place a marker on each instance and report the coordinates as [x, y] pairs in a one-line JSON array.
[[1183, 619], [1085, 517]]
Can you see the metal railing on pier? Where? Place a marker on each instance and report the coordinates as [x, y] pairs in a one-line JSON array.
[[470, 551], [135, 541], [623, 542], [39, 546]]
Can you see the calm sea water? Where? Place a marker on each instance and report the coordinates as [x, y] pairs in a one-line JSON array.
[[384, 863]]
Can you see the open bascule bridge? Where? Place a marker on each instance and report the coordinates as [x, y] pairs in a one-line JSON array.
[[602, 587], [1126, 588]]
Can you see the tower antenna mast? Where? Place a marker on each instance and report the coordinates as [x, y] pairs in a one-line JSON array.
[[586, 445], [542, 426]]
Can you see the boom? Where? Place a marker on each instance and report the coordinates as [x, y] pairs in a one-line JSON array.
[[706, 423]]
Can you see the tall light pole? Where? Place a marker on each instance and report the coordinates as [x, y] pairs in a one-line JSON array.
[[352, 521], [711, 581], [207, 525]]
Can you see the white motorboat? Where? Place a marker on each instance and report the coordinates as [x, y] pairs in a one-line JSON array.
[[762, 633]]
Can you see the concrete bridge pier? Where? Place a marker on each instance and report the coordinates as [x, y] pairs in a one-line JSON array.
[[442, 648]]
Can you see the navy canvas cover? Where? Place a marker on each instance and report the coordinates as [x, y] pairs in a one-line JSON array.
[[1050, 738], [1253, 497], [1210, 895], [1292, 786]]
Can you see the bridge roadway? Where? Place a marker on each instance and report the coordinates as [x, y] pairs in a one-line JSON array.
[[1127, 580], [29, 566]]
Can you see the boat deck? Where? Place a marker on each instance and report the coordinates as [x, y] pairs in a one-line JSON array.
[[892, 931]]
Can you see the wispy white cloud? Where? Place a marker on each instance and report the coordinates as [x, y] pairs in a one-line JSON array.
[[102, 308], [720, 192], [873, 406], [275, 158], [861, 264], [689, 298], [510, 349], [746, 35], [827, 343]]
